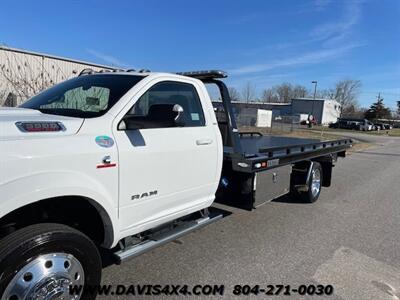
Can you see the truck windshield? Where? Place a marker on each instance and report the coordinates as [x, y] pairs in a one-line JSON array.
[[86, 96]]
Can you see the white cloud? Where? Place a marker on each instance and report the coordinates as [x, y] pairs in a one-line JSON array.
[[109, 59], [327, 34], [308, 58], [332, 37], [339, 29]]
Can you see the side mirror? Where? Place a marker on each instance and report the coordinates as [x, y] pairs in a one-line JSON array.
[[179, 115]]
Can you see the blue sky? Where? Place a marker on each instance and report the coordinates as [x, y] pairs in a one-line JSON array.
[[264, 42]]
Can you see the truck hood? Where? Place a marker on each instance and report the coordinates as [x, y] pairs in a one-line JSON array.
[[10, 116]]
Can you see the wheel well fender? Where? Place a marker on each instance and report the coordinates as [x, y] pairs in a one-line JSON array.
[[28, 190]]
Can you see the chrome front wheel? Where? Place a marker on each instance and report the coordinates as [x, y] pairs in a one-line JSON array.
[[48, 262], [47, 277]]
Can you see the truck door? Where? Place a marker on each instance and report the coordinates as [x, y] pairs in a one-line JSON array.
[[165, 168]]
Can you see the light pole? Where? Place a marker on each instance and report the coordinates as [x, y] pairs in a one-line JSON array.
[[315, 93], [315, 87]]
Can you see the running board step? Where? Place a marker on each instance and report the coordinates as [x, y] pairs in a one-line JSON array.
[[165, 237]]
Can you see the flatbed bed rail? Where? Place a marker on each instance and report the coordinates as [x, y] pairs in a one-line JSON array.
[[302, 148], [273, 157]]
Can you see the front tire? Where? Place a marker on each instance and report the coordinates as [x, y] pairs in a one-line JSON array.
[[314, 184], [43, 260]]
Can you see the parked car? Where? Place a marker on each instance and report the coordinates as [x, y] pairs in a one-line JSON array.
[[366, 125], [356, 124], [382, 126], [375, 127], [344, 124]]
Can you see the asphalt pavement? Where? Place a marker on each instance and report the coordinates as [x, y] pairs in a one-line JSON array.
[[349, 238]]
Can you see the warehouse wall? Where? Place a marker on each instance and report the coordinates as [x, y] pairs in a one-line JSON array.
[[314, 107], [23, 75], [324, 110]]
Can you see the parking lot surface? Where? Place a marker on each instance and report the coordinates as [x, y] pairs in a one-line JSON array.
[[349, 238]]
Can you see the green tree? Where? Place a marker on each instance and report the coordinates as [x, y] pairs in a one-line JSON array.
[[378, 110]]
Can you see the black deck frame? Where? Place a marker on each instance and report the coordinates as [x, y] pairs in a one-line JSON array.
[[272, 156]]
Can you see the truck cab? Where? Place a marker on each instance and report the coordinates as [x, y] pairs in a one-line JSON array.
[[167, 135], [153, 156]]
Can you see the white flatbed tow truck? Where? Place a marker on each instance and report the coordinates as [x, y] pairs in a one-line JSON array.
[[125, 162]]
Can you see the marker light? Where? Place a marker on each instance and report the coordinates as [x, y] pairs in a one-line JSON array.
[[243, 165]]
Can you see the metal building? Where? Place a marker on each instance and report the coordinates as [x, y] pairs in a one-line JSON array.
[[25, 73], [324, 110]]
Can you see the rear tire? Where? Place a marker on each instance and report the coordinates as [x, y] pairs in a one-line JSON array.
[[47, 258], [314, 184]]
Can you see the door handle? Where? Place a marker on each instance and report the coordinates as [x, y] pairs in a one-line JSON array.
[[204, 142]]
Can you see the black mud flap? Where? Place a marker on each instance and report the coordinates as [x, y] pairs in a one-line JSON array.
[[236, 189]]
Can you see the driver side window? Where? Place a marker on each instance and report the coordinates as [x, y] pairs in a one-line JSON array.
[[154, 108]]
